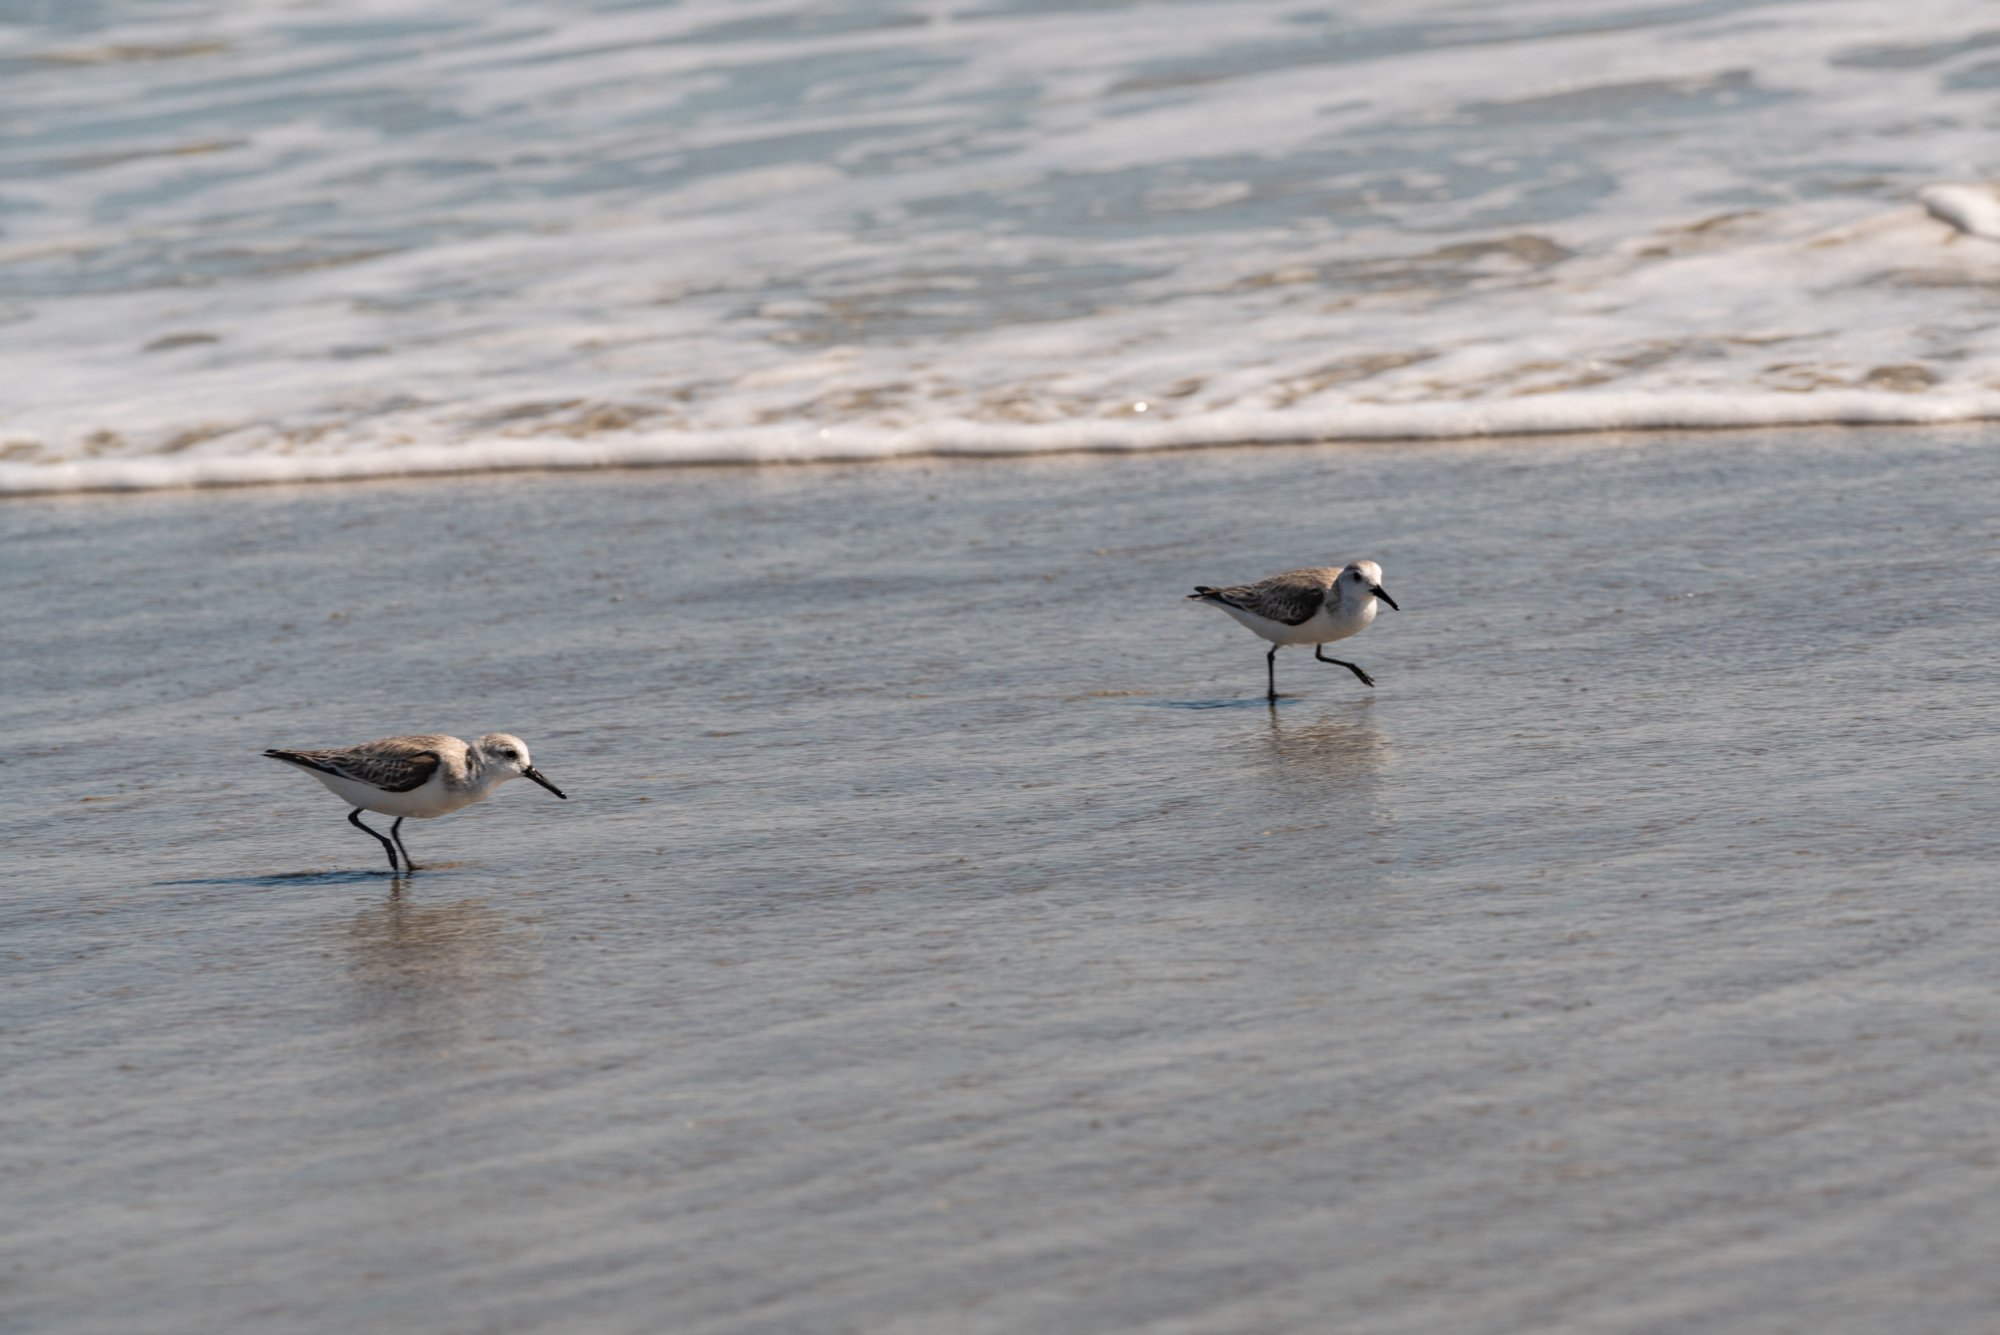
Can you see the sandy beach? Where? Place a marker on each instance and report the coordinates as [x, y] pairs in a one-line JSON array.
[[943, 934]]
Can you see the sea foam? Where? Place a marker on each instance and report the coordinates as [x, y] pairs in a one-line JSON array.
[[267, 246]]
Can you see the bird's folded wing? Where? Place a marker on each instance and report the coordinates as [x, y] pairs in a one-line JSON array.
[[1290, 598], [393, 769]]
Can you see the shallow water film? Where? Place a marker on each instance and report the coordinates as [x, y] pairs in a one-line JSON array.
[[944, 935]]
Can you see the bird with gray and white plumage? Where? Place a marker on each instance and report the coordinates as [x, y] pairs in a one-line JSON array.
[[421, 775], [1315, 605]]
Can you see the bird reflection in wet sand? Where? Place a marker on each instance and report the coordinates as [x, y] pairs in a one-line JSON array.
[[1321, 815], [1335, 748], [440, 965]]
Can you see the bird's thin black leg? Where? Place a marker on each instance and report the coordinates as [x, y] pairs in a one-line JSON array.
[[354, 819], [396, 833], [1271, 674], [1319, 652]]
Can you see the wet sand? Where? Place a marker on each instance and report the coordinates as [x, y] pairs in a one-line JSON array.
[[943, 935]]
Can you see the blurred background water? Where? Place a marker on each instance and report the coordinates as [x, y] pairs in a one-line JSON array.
[[258, 239]]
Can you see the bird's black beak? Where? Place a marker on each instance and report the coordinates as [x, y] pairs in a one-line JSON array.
[[1383, 594], [532, 773]]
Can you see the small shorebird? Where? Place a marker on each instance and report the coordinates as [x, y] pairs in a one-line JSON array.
[[1314, 606], [423, 775]]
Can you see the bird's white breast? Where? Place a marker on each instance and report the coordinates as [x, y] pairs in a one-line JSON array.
[[1322, 627], [431, 798]]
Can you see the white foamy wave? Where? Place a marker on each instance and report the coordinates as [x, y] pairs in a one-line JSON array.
[[453, 238], [1355, 424], [1972, 209]]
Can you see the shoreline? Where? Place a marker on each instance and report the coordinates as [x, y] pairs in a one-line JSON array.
[[1451, 424]]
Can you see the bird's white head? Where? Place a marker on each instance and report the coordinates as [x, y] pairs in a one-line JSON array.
[[1362, 580], [499, 756]]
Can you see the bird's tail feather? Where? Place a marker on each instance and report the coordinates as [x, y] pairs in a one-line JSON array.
[[303, 762]]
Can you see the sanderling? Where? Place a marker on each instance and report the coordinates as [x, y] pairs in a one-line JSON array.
[[1315, 606], [422, 775]]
